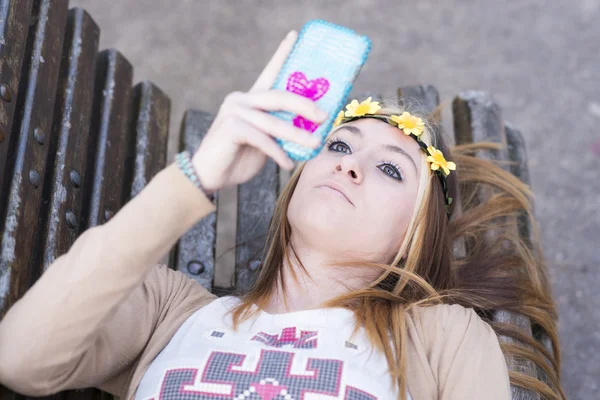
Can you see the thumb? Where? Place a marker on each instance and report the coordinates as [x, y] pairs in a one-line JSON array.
[[269, 74]]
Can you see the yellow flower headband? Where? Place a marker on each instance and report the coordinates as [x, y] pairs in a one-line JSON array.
[[411, 126]]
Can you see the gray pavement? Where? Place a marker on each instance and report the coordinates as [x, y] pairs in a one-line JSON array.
[[539, 58]]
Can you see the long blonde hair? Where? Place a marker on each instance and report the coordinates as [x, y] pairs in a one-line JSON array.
[[499, 270]]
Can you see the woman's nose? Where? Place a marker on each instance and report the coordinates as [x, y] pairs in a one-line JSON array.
[[349, 165]]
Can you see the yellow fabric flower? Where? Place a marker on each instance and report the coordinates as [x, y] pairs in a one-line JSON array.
[[354, 109], [437, 160], [409, 124], [338, 119]]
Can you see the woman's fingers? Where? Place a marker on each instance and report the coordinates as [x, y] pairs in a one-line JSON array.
[[268, 146], [269, 74], [280, 100], [277, 127]]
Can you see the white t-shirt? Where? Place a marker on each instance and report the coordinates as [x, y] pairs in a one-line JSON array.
[[293, 356]]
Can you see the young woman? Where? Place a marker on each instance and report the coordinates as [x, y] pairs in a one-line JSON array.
[[359, 295]]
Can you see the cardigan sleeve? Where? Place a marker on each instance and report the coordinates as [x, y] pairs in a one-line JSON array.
[[92, 312], [464, 354]]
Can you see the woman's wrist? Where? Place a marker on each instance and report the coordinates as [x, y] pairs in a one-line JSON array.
[[185, 164]]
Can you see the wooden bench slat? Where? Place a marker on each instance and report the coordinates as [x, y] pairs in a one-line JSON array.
[[256, 205], [194, 254], [150, 124], [22, 225], [477, 118], [518, 154], [422, 99], [71, 131], [517, 150], [14, 26], [110, 137]]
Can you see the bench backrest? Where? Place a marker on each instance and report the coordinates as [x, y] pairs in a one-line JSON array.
[[77, 139]]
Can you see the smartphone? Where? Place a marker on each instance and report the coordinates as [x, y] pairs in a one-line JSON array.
[[322, 66]]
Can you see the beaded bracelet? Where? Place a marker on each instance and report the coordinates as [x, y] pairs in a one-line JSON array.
[[184, 162]]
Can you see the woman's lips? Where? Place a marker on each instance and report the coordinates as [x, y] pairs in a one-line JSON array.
[[335, 192]]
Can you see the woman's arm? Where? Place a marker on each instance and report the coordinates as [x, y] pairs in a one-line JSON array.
[[49, 339], [82, 321]]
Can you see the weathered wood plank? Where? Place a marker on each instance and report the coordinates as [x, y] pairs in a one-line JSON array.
[[256, 204], [71, 132], [517, 151], [194, 254], [477, 118], [14, 27], [150, 124], [22, 227], [110, 136], [422, 99], [101, 148]]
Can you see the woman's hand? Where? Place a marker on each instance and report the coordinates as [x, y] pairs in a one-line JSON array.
[[241, 137]]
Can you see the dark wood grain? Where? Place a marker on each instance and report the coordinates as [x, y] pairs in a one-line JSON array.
[[517, 153], [477, 118], [38, 83], [110, 136], [194, 254], [73, 146], [150, 125], [67, 166], [256, 204], [421, 99], [517, 150], [14, 27]]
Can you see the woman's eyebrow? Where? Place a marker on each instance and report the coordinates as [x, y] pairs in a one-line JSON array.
[[389, 147], [352, 129], [396, 149]]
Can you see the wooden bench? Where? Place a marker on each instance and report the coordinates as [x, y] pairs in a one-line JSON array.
[[78, 140]]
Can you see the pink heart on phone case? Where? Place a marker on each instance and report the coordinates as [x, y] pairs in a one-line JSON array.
[[313, 89]]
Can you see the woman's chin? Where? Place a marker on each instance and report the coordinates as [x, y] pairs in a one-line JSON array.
[[325, 222], [325, 215]]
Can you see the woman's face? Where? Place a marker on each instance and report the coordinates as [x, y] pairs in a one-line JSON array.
[[377, 168]]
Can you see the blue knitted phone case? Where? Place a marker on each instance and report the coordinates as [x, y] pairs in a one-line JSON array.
[[322, 66]]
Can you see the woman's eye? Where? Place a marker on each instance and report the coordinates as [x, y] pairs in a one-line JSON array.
[[392, 171], [389, 168], [334, 146]]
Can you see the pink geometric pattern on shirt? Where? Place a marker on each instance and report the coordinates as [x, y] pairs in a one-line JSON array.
[[307, 339], [313, 89], [353, 393], [271, 379]]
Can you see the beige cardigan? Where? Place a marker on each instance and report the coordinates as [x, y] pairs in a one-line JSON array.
[[102, 312]]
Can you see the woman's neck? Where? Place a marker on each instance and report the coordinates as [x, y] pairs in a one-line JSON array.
[[315, 284]]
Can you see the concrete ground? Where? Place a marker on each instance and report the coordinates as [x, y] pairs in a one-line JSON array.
[[540, 59]]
